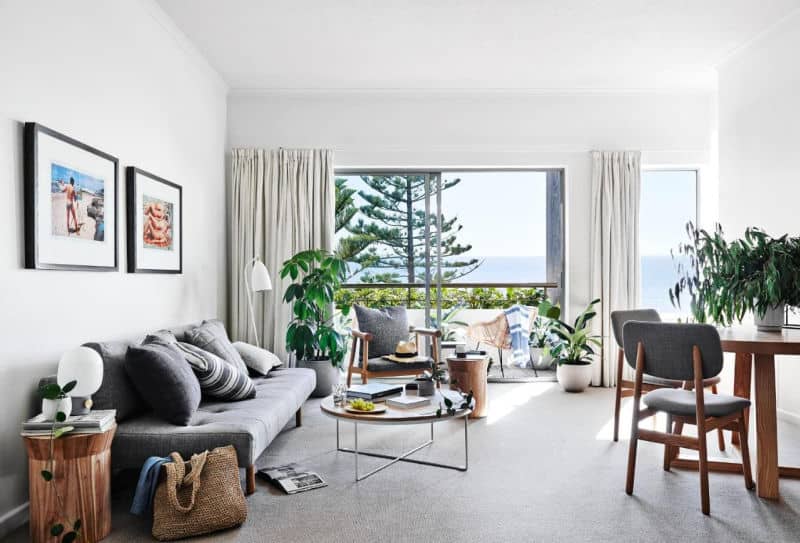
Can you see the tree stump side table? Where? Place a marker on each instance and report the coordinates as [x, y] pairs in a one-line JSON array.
[[470, 374], [82, 473]]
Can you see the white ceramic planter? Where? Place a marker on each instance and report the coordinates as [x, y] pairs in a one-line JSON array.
[[574, 377], [540, 360], [51, 407], [327, 376], [773, 319]]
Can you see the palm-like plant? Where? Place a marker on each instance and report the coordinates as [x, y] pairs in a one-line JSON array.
[[575, 343]]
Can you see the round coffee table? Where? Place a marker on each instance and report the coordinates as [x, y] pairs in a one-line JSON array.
[[397, 416]]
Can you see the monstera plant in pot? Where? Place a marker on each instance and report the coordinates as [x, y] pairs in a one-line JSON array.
[[574, 349], [724, 280], [312, 335]]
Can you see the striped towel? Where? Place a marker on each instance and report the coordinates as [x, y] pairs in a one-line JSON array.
[[519, 325]]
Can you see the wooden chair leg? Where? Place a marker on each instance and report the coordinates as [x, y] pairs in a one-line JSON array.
[[668, 448], [676, 451], [703, 461], [720, 432], [637, 396], [618, 394], [298, 418], [250, 479], [745, 450]]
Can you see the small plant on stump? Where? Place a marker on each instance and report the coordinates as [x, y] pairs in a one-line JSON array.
[[68, 532]]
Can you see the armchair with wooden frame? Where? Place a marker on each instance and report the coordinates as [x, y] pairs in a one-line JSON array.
[[689, 353], [380, 367], [624, 387]]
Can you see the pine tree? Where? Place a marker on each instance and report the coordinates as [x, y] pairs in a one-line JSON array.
[[348, 247], [394, 220]]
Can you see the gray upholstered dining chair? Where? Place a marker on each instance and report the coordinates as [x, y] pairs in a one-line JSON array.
[[681, 352], [649, 382]]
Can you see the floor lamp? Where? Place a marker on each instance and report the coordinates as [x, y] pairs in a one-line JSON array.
[[259, 281]]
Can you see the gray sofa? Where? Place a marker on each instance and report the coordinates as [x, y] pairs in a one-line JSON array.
[[249, 425]]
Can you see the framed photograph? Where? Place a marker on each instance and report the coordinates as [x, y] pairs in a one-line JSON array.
[[155, 233], [70, 203]]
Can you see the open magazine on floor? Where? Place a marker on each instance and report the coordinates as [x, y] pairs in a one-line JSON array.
[[292, 479]]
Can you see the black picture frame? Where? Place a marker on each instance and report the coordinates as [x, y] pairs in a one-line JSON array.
[[33, 259], [133, 217]]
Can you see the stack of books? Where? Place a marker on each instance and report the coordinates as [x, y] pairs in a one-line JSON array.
[[94, 422], [373, 391]]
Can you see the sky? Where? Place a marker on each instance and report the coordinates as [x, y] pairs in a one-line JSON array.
[[503, 213], [85, 181]]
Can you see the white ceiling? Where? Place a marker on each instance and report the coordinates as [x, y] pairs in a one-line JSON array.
[[471, 44]]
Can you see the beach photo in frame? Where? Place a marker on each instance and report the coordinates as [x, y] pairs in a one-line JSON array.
[[70, 203], [154, 220]]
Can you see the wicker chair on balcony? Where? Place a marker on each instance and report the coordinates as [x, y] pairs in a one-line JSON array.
[[497, 334], [379, 331]]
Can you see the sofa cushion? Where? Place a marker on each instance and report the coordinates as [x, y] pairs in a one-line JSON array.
[[211, 336], [259, 360], [218, 379], [249, 425], [117, 390], [165, 381], [388, 326]]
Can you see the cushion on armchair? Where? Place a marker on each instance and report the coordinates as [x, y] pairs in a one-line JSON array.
[[388, 326]]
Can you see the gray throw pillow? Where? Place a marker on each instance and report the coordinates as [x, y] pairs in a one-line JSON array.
[[117, 391], [212, 337], [165, 381], [218, 379], [388, 326], [258, 360]]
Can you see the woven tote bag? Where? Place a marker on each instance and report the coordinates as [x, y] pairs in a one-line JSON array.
[[207, 499]]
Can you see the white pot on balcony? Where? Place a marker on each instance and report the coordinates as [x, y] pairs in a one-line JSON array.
[[541, 361], [574, 377]]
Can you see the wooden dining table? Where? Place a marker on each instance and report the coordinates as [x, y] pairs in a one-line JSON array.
[[755, 362]]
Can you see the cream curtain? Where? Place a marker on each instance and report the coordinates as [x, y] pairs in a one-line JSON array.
[[281, 202], [616, 187]]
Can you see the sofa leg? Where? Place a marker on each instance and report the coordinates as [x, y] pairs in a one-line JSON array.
[[250, 476], [298, 418]]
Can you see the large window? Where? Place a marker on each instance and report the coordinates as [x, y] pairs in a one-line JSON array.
[[668, 202], [500, 231]]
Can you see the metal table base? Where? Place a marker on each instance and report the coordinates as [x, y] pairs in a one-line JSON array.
[[404, 456]]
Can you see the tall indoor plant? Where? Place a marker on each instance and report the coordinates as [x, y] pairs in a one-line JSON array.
[[724, 280], [574, 349], [312, 335]]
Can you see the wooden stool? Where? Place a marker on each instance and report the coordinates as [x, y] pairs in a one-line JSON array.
[[470, 375], [82, 472]]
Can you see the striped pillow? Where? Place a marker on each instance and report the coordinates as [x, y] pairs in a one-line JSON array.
[[218, 378]]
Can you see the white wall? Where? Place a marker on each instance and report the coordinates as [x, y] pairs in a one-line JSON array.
[[116, 76], [759, 142], [461, 129]]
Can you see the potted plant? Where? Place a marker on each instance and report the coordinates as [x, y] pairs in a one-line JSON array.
[[541, 337], [573, 350], [724, 280], [312, 335]]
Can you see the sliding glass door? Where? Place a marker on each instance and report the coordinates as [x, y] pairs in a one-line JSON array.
[[446, 240]]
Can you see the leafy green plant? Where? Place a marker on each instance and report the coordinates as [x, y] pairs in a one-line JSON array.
[[724, 280], [575, 343], [541, 337], [472, 298], [449, 324], [53, 391], [312, 334]]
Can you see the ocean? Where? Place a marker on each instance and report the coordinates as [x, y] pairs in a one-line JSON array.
[[658, 275]]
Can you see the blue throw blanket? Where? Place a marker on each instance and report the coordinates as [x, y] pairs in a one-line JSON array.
[[146, 487], [519, 325]]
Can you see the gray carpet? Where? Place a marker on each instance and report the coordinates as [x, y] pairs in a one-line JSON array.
[[542, 468]]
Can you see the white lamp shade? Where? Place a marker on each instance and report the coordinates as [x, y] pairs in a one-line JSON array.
[[259, 277], [83, 365]]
